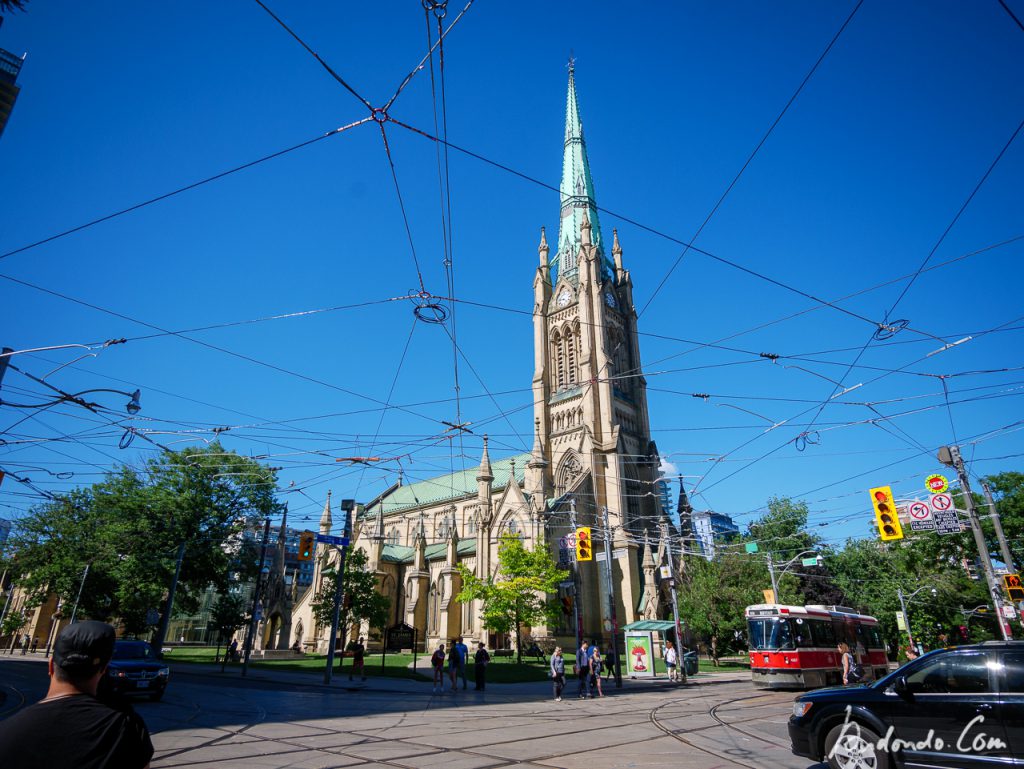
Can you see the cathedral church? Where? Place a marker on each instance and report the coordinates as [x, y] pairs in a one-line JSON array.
[[592, 460]]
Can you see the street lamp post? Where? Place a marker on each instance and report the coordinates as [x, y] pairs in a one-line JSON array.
[[785, 567], [904, 600]]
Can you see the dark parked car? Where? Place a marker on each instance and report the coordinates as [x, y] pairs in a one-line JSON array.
[[960, 707], [135, 669]]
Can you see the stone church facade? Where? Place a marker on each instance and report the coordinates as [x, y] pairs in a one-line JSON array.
[[592, 451]]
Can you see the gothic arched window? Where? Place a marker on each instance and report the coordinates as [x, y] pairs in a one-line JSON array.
[[572, 355]]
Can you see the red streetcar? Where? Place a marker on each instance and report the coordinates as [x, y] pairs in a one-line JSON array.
[[795, 646]]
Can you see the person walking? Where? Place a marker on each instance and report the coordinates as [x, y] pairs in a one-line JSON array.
[[358, 659], [671, 661], [463, 658], [582, 669], [70, 727], [437, 661], [558, 672], [609, 662], [453, 662], [852, 671], [595, 672], [480, 666]]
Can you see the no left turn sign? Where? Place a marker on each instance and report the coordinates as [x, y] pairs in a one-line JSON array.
[[919, 511]]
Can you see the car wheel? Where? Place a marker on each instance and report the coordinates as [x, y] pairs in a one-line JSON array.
[[853, 746], [155, 696]]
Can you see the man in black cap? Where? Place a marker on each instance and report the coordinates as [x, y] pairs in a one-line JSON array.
[[70, 727]]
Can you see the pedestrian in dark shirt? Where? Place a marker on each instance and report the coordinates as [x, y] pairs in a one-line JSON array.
[[582, 670], [358, 659], [480, 659], [70, 727]]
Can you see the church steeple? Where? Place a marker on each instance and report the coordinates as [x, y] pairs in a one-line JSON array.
[[576, 193]]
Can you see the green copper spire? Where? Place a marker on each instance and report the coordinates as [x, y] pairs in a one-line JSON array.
[[576, 192]]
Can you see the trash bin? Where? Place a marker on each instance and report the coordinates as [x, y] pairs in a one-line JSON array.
[[690, 663]]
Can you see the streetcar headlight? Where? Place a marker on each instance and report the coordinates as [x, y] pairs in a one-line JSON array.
[[800, 708]]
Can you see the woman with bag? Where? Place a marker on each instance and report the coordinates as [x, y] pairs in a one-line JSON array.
[[853, 673], [596, 663]]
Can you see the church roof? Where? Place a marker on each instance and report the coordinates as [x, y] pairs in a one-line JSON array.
[[445, 487], [403, 554], [576, 195]]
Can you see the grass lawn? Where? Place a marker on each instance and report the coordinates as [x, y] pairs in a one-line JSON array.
[[501, 669]]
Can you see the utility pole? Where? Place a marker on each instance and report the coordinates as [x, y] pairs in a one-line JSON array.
[[250, 634], [577, 581], [675, 602], [348, 505], [5, 358], [771, 573], [906, 617], [1004, 548], [950, 455], [78, 597], [609, 587], [161, 631]]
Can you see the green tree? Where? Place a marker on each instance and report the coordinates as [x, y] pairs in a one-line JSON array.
[[518, 594], [128, 528], [227, 615], [1008, 492], [362, 600]]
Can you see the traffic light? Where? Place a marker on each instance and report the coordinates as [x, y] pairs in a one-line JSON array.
[[307, 545], [584, 545], [1014, 588], [885, 514]]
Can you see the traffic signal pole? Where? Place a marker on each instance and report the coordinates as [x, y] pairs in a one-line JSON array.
[[576, 578], [1004, 548], [771, 573], [348, 506], [250, 635], [675, 604], [609, 587], [950, 455]]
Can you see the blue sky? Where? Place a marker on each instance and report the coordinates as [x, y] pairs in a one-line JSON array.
[[853, 190]]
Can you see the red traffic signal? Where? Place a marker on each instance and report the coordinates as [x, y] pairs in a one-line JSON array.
[[584, 544]]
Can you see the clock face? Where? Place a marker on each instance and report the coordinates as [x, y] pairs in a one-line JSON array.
[[609, 299], [563, 297]]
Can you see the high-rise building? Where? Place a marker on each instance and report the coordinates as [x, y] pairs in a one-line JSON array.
[[10, 66], [709, 529]]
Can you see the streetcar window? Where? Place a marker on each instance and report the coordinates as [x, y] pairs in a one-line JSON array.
[[874, 637], [824, 634], [804, 634], [771, 634]]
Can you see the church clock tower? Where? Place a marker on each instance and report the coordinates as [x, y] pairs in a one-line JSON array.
[[593, 445]]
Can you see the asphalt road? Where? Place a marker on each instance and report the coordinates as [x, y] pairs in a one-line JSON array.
[[206, 720]]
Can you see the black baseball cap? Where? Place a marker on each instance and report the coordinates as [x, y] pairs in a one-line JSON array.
[[84, 647]]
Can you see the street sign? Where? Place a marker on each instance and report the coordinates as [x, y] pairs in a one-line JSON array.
[[1009, 612], [665, 572], [944, 514], [812, 561], [920, 517], [936, 484], [1014, 587], [330, 539], [941, 502], [750, 547]]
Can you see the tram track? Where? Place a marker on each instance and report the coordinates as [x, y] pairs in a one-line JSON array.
[[738, 754]]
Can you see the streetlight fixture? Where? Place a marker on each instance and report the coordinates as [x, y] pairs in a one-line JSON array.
[[786, 567]]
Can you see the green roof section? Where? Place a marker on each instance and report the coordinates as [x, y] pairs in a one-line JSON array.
[[446, 487], [406, 555], [576, 194]]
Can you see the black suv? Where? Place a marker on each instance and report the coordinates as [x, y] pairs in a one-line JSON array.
[[135, 669], [960, 707]]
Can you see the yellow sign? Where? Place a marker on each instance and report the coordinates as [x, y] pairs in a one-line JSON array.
[[769, 596], [936, 484]]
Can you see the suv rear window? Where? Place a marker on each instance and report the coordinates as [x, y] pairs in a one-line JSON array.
[[1013, 672]]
